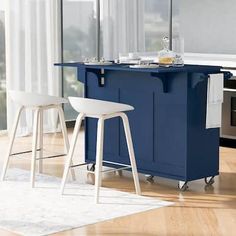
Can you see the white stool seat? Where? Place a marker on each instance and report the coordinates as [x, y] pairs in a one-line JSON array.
[[97, 107], [34, 100]]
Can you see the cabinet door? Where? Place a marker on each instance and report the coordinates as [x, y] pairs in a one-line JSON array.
[[141, 123]]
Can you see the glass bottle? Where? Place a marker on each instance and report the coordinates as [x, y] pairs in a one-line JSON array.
[[166, 56]]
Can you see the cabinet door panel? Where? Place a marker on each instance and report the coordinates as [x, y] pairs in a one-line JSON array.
[[141, 123]]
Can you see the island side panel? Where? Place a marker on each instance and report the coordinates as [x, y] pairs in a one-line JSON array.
[[203, 144]]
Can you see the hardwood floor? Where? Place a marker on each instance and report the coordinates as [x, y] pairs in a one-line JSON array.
[[198, 211]]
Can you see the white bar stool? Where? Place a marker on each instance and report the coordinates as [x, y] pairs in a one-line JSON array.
[[38, 103], [102, 110]]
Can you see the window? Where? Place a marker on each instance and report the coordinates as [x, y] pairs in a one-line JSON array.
[[133, 26], [156, 23], [3, 110], [79, 42]]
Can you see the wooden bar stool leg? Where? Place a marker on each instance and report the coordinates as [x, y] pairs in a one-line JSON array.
[[12, 139], [34, 145], [72, 149], [131, 152], [40, 130], [99, 158], [65, 137]]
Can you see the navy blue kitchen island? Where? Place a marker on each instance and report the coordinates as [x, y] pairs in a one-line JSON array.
[[168, 123]]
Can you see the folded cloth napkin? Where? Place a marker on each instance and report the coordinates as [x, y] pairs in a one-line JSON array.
[[214, 100]]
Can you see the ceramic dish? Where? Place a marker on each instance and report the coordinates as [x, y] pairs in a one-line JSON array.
[[97, 63], [150, 66]]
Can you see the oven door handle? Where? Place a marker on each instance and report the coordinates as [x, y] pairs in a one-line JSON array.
[[229, 90]]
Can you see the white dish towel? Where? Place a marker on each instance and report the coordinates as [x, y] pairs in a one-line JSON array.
[[214, 100]]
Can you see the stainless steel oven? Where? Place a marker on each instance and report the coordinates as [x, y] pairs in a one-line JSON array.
[[228, 129]]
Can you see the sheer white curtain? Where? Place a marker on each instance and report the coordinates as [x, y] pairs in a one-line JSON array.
[[32, 47], [122, 27]]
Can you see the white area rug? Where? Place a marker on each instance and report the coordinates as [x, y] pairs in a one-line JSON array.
[[43, 210]]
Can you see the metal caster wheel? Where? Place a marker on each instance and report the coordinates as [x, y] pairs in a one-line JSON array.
[[150, 178], [183, 186], [209, 180], [91, 168]]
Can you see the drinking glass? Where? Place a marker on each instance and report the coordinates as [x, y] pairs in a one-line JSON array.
[[178, 49]]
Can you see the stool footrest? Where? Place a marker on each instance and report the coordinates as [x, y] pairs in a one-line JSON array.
[[53, 156], [125, 167], [78, 165], [116, 169], [39, 149], [115, 163], [24, 152]]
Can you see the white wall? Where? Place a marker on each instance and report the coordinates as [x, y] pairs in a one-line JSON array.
[[208, 26]]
